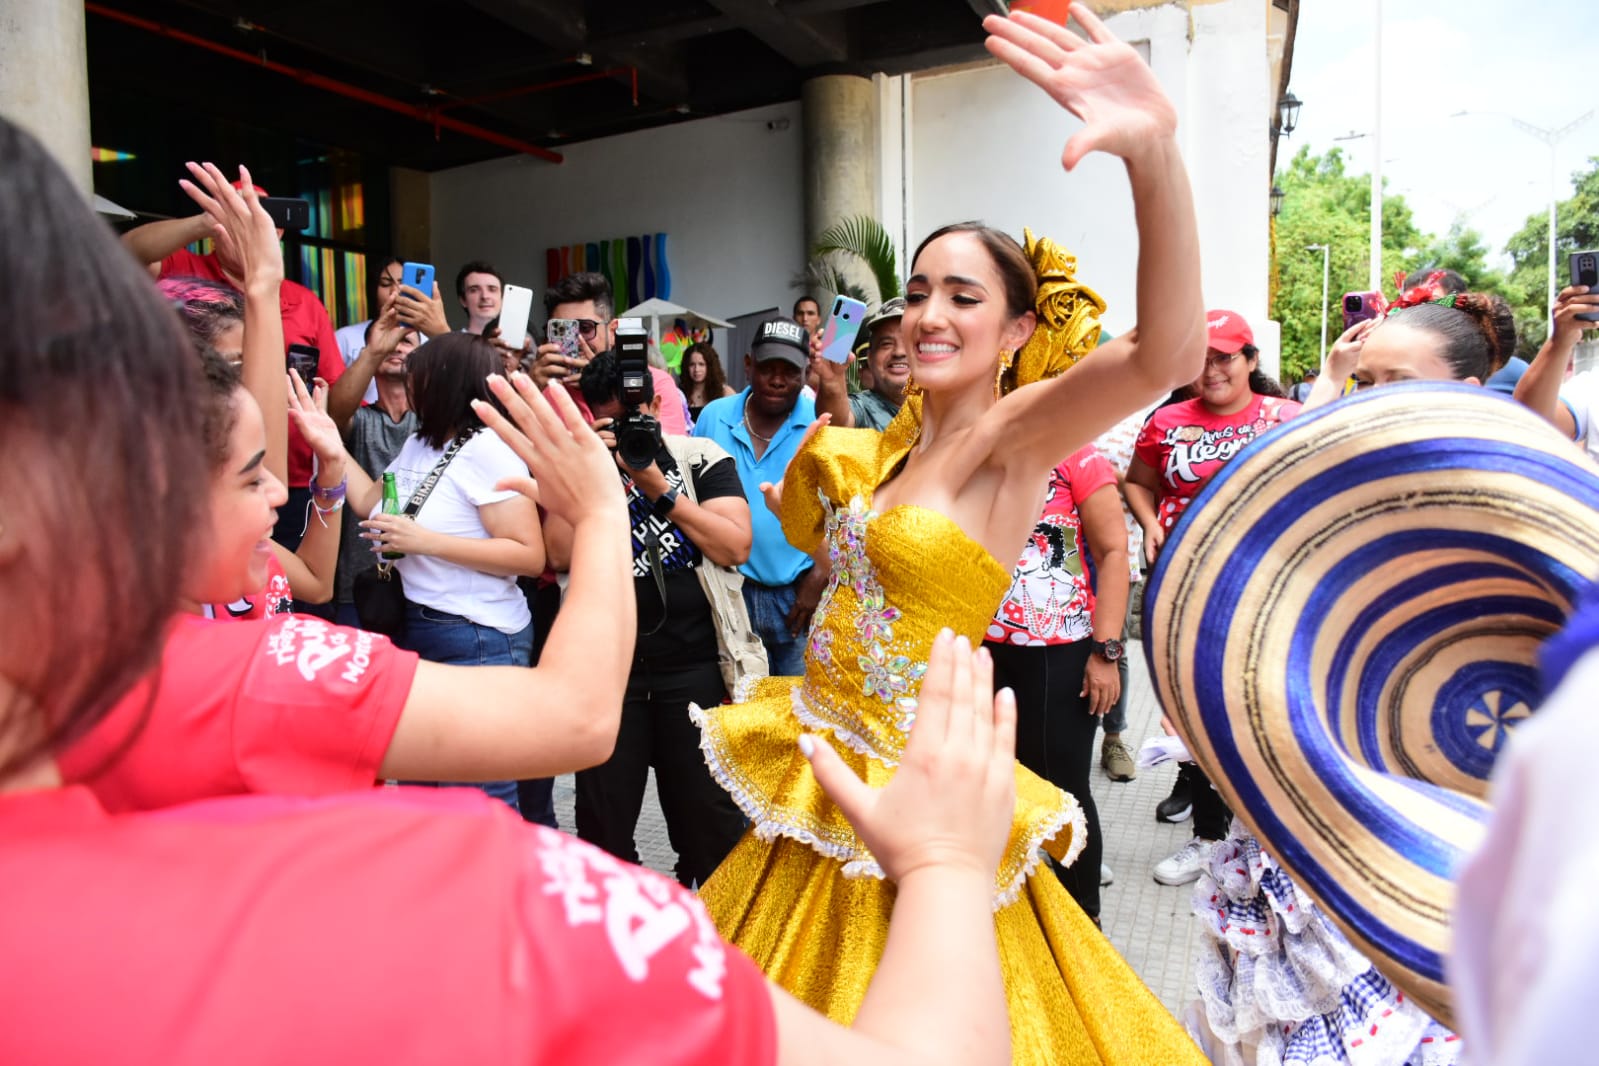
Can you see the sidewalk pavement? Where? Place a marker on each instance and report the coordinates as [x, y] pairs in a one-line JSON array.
[[1150, 924]]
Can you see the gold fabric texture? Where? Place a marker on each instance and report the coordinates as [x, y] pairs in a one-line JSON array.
[[1068, 316], [801, 894]]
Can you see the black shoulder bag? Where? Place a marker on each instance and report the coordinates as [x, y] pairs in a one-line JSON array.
[[379, 593]]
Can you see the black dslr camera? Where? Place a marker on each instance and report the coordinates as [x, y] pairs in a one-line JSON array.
[[638, 435]]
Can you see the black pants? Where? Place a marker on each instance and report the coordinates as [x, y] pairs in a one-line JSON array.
[[702, 821], [536, 795], [1211, 815], [1055, 739]]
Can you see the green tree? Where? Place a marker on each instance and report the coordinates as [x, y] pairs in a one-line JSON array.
[[1324, 204], [1576, 229]]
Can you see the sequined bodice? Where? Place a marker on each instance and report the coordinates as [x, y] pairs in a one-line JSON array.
[[897, 579]]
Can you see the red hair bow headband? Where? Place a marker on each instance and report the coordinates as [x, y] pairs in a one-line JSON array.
[[1428, 291]]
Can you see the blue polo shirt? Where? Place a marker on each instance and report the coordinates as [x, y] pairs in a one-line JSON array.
[[773, 561]]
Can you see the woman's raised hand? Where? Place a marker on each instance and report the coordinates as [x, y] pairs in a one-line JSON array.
[[309, 410], [574, 475], [244, 233], [773, 493], [951, 801], [1102, 81]]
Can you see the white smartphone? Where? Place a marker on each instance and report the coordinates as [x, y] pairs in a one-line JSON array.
[[515, 306]]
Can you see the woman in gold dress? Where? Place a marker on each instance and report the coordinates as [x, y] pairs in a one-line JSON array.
[[921, 525]]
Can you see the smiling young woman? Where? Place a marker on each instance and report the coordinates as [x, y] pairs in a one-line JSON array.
[[915, 521]]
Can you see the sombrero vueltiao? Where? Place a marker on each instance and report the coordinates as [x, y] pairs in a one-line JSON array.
[[1344, 628]]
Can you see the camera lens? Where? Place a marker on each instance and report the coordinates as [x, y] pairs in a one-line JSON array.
[[1351, 303]]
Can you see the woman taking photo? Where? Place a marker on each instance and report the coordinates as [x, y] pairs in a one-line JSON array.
[[462, 551], [438, 910], [1180, 448], [701, 378], [915, 521]]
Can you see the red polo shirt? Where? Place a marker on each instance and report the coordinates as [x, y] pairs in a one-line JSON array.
[[305, 321], [400, 926]]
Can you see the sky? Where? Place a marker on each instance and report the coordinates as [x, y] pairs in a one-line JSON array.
[[1535, 60]]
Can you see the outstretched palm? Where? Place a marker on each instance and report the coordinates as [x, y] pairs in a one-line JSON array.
[[309, 411], [1102, 81]]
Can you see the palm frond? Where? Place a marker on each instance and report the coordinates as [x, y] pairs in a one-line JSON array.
[[823, 278], [864, 238]]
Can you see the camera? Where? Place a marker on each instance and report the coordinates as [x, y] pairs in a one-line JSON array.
[[638, 435], [1360, 306]]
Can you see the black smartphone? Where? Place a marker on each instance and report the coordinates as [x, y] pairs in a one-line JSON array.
[[287, 212], [1585, 271], [304, 360]]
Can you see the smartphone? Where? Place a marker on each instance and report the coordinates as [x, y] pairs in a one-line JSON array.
[[1585, 271], [1362, 306], [304, 360], [838, 336], [564, 332], [419, 276], [287, 212], [516, 304]]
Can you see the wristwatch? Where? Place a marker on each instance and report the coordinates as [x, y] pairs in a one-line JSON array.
[[1109, 650], [665, 502]]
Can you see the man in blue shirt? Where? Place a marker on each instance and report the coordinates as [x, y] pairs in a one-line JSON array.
[[761, 429]]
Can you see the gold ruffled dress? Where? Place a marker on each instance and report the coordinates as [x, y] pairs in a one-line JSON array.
[[800, 893]]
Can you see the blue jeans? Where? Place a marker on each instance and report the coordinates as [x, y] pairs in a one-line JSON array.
[[440, 637], [1115, 720], [769, 607]]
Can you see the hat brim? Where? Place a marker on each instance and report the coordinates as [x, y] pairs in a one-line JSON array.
[[1344, 628], [762, 353]]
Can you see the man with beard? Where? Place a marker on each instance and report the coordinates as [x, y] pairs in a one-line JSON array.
[[761, 428], [887, 367]]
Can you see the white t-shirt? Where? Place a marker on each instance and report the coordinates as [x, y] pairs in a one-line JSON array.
[[1581, 394], [351, 339], [468, 483]]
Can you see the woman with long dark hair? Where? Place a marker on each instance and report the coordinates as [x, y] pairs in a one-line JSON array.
[[916, 521], [701, 378]]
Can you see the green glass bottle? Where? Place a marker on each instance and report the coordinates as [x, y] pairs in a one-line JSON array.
[[391, 505]]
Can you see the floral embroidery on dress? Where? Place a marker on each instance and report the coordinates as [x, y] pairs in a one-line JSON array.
[[885, 674]]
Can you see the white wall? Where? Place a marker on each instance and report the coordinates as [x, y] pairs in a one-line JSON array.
[[986, 144], [727, 191]]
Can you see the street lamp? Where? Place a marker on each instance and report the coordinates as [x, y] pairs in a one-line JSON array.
[[1552, 138], [1326, 274], [1288, 113], [1277, 196]]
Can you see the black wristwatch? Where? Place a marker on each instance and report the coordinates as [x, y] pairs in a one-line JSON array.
[[665, 502], [1109, 650]]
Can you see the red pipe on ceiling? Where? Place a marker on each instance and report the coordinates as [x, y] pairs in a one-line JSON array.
[[544, 86], [319, 81]]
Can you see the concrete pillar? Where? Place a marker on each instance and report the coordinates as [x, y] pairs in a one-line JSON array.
[[44, 79], [841, 149]]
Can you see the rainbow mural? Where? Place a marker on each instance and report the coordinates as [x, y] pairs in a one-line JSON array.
[[636, 267]]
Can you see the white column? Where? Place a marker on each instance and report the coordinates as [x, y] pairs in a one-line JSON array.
[[44, 79]]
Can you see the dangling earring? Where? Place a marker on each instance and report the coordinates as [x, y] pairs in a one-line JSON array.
[[1006, 357]]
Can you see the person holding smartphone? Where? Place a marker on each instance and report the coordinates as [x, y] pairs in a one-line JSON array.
[[1572, 406], [583, 306], [161, 246]]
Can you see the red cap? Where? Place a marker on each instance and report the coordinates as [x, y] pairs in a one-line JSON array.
[[237, 184], [1228, 331]]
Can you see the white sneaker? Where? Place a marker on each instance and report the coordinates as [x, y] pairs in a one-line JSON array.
[[1185, 865], [1105, 875]]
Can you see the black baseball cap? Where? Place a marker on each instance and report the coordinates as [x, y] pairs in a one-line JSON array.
[[782, 338]]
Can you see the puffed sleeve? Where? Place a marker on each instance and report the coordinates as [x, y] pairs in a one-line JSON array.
[[837, 465]]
